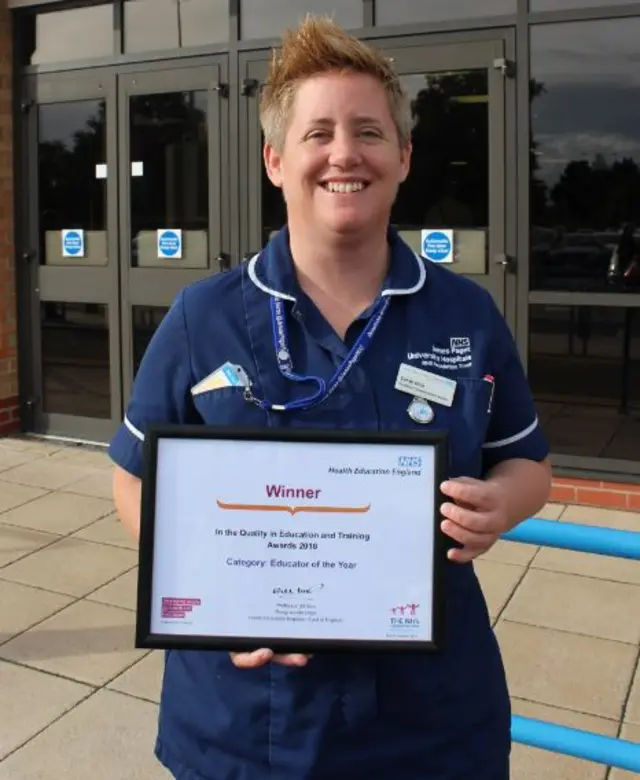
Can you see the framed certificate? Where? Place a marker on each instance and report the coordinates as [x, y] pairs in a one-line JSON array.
[[295, 540]]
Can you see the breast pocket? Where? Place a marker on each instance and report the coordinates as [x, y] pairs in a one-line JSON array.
[[228, 406], [467, 421]]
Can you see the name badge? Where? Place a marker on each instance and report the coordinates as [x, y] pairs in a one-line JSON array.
[[424, 384]]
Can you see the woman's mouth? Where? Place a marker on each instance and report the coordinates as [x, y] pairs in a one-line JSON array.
[[344, 186]]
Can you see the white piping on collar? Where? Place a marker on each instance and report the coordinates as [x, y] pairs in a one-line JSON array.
[[251, 270], [417, 286]]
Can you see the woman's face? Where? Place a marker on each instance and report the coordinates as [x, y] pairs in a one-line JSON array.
[[341, 163]]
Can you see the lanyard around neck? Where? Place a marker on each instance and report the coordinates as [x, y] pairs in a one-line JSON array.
[[285, 362]]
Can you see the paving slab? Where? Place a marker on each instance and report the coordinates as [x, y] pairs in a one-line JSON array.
[[535, 764], [143, 679], [23, 607], [47, 474], [31, 701], [89, 643], [610, 610], [108, 737], [58, 513], [15, 495], [17, 543], [70, 566], [499, 582], [566, 670]]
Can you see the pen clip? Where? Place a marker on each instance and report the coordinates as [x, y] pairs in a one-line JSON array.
[[489, 378]]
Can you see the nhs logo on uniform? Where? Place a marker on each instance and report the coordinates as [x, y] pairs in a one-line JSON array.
[[409, 462]]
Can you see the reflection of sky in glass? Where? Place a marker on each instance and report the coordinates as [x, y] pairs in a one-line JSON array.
[[591, 104], [389, 12]]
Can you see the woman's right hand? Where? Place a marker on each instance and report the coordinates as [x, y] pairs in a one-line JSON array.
[[264, 656]]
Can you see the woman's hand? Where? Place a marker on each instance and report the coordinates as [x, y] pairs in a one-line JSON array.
[[476, 517], [261, 657]]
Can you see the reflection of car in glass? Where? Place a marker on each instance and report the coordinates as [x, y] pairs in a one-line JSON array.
[[574, 257]]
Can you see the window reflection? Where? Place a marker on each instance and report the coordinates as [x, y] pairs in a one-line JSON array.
[[170, 177], [72, 183], [390, 12], [91, 30], [584, 368], [585, 156], [448, 184], [559, 5], [171, 24], [75, 359], [259, 19], [145, 321]]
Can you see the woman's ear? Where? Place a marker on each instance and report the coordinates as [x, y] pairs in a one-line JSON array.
[[273, 164]]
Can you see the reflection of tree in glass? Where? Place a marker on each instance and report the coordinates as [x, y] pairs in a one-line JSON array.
[[448, 181], [169, 137], [70, 195]]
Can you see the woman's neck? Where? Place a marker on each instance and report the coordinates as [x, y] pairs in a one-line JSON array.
[[342, 280]]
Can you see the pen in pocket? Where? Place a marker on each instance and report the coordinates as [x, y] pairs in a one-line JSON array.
[[488, 378]]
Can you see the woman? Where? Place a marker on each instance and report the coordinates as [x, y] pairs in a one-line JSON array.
[[337, 132]]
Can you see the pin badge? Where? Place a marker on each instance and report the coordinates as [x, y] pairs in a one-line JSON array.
[[421, 411]]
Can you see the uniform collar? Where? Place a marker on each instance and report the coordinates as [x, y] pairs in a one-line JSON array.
[[272, 270]]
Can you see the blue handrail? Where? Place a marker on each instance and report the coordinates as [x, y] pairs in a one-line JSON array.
[[581, 538], [553, 737]]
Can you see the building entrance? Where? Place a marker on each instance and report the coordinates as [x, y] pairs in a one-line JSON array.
[[139, 180]]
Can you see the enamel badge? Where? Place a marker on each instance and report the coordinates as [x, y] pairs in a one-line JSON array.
[[421, 411]]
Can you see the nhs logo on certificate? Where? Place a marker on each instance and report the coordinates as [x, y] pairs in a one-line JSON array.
[[409, 462]]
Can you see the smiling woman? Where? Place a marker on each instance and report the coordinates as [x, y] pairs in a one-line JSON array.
[[329, 324]]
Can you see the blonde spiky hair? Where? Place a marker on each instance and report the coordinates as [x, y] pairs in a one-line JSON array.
[[318, 46]]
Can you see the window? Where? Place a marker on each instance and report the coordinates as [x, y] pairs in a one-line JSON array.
[[77, 34], [390, 12], [561, 5], [172, 24], [585, 156], [261, 19], [76, 370], [584, 369]]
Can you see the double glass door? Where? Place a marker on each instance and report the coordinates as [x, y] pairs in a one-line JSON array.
[[126, 174], [138, 181]]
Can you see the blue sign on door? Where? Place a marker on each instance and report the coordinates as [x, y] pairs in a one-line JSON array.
[[170, 243], [73, 243], [437, 245]]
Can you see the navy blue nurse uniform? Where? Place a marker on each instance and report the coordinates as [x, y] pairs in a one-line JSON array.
[[356, 717]]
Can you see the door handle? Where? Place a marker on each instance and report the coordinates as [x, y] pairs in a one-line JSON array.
[[506, 261]]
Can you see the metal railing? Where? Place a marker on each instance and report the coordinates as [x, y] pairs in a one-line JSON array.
[[553, 737]]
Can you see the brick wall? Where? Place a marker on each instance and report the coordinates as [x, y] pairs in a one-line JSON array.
[[9, 409]]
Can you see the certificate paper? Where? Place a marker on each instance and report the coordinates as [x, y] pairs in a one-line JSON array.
[[292, 540]]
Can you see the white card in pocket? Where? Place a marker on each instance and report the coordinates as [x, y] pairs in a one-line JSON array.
[[227, 375]]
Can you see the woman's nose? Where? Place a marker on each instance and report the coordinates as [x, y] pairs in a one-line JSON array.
[[345, 150]]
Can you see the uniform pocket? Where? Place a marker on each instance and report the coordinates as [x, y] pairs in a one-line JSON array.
[[228, 406]]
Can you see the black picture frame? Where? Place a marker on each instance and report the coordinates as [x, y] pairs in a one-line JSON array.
[[437, 440]]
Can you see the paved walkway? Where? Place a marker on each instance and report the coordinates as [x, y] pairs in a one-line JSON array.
[[77, 701]]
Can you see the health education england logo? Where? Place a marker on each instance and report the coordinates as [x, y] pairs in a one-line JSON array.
[[404, 621]]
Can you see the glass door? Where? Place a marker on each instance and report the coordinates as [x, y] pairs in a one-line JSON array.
[[453, 205], [71, 256], [173, 173]]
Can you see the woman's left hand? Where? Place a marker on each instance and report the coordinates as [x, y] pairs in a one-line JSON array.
[[476, 516]]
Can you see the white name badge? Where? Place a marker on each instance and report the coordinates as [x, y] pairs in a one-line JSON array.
[[424, 384]]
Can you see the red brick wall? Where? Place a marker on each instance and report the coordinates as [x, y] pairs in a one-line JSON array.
[[614, 495], [9, 410]]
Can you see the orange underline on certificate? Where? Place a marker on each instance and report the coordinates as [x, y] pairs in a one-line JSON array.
[[294, 510]]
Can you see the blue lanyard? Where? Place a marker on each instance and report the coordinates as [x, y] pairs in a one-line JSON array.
[[285, 362]]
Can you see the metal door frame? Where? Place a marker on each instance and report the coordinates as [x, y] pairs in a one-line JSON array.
[[493, 49], [160, 286], [68, 284]]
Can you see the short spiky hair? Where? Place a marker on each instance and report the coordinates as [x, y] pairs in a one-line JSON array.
[[318, 46]]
